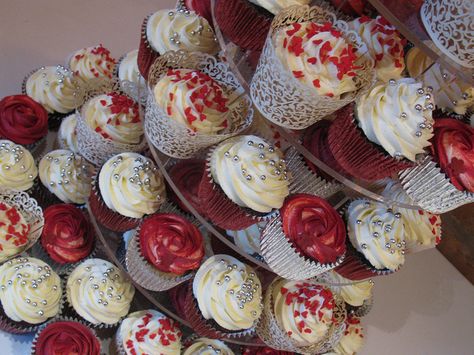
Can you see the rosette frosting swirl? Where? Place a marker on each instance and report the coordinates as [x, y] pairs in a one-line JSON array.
[[99, 292], [128, 69], [17, 166], [314, 227], [131, 185], [67, 175], [397, 116], [92, 62], [169, 30], [275, 6], [14, 231], [67, 135], [171, 243], [229, 292], [29, 290], [251, 173], [353, 338], [377, 232], [205, 346], [353, 293], [149, 332]]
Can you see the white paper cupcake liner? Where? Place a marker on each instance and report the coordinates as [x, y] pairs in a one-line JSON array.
[[136, 92]]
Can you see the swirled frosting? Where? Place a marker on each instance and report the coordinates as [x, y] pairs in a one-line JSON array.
[[229, 292], [275, 6], [384, 43], [377, 232], [92, 62], [29, 290], [128, 69], [354, 293], [67, 175], [397, 116], [99, 292], [353, 338], [169, 30], [14, 231], [149, 332], [205, 346], [55, 88], [17, 166], [193, 99], [251, 173], [451, 94], [67, 134], [131, 185], [114, 117], [303, 310], [248, 239], [319, 56]]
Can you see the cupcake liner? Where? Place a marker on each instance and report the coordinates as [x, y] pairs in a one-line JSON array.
[[356, 154], [44, 197], [270, 332], [282, 98], [146, 54], [360, 311], [117, 345], [137, 92], [175, 139], [177, 296], [431, 189]]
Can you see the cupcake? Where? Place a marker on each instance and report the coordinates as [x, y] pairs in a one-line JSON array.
[[148, 332], [67, 135], [201, 7], [127, 188], [128, 74], [23, 120], [65, 337], [356, 295], [164, 252], [40, 294], [207, 346], [99, 292], [246, 180], [92, 63], [352, 339], [352, 7], [225, 298], [248, 239], [66, 175], [18, 170]]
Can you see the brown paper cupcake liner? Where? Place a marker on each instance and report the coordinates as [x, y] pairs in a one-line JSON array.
[[146, 54]]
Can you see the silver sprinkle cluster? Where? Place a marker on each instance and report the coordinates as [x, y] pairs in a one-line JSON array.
[[95, 281], [17, 151], [66, 173]]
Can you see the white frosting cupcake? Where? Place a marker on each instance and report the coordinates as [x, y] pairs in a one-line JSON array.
[[17, 166], [275, 6], [92, 63], [205, 346], [67, 135], [128, 69]]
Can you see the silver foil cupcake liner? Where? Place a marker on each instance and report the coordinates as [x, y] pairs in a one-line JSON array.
[[360, 311]]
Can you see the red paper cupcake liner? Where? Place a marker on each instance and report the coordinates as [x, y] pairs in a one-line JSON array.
[[146, 55], [178, 295], [356, 154]]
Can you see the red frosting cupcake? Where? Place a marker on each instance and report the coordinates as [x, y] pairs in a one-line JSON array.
[[67, 235], [22, 119], [171, 243], [453, 150], [314, 227]]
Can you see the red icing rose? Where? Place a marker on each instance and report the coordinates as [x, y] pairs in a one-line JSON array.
[[67, 234], [60, 338], [314, 227], [260, 350], [171, 243], [453, 150], [22, 119]]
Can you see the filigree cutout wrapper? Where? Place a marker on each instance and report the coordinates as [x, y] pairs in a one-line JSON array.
[[173, 138]]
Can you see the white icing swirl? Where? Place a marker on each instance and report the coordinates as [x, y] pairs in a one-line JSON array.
[[67, 175], [216, 286], [92, 63], [352, 293], [352, 340], [67, 135], [397, 117], [14, 231], [99, 292], [30, 290], [248, 239], [275, 6], [17, 166], [128, 69], [205, 346], [251, 173], [169, 30], [131, 185]]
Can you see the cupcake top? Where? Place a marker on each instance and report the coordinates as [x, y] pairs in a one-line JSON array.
[[14, 231], [205, 346], [193, 99], [354, 293], [275, 6], [171, 243], [229, 292], [319, 56], [128, 68], [398, 117], [92, 62], [67, 135], [453, 150], [30, 291], [303, 310], [149, 332], [251, 173], [67, 234], [377, 232], [131, 185], [169, 30], [53, 87], [22, 119], [17, 166], [66, 175], [66, 337], [353, 338], [99, 292], [314, 227], [248, 239], [384, 43], [451, 93], [114, 117]]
